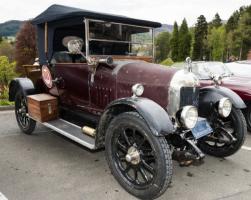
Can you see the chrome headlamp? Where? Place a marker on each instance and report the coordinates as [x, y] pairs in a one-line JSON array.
[[137, 90], [224, 107], [189, 116]]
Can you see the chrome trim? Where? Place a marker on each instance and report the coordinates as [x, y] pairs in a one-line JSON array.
[[86, 21], [153, 45], [181, 78], [117, 41]]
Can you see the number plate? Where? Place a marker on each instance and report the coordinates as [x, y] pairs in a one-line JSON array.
[[202, 128]]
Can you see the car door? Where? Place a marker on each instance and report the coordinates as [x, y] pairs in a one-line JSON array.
[[73, 84], [103, 89]]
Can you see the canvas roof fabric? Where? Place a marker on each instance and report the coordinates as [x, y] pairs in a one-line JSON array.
[[60, 12]]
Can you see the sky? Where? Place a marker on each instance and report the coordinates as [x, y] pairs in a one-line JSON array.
[[164, 11]]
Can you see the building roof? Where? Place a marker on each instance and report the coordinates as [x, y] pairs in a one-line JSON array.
[[60, 12]]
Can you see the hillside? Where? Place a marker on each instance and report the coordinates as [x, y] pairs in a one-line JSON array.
[[164, 28], [10, 28]]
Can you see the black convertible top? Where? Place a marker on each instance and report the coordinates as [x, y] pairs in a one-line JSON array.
[[59, 12]]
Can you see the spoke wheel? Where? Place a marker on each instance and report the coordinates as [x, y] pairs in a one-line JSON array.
[[247, 113], [228, 136], [139, 161], [26, 124], [134, 156]]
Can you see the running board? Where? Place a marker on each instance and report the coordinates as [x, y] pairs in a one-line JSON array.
[[71, 131]]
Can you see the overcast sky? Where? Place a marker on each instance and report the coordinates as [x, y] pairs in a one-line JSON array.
[[164, 11]]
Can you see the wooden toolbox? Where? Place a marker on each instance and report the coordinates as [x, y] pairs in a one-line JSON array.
[[42, 107]]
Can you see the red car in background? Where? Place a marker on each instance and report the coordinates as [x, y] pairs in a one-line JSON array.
[[238, 82]]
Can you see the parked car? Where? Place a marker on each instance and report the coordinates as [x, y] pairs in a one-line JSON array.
[[98, 86], [229, 79], [240, 68]]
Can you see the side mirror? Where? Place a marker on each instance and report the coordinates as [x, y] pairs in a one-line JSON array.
[[189, 64]]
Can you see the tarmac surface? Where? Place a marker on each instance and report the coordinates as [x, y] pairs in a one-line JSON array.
[[47, 166]]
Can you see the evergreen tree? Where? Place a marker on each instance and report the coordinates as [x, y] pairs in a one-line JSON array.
[[1, 39], [200, 38], [184, 41], [216, 22], [175, 43], [162, 46]]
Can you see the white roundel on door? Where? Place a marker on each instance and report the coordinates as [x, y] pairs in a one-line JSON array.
[[46, 76]]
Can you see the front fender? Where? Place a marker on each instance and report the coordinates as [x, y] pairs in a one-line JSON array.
[[23, 84], [155, 116], [210, 95]]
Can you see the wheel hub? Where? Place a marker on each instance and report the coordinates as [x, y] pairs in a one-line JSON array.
[[133, 156]]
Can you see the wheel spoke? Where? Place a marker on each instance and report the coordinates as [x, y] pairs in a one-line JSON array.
[[126, 138], [122, 147], [148, 167], [135, 174], [141, 142], [127, 169], [143, 173]]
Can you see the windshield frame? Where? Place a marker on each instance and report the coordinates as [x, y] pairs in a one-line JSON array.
[[207, 74], [88, 39]]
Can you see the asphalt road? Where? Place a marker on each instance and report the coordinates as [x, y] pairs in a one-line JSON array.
[[47, 166]]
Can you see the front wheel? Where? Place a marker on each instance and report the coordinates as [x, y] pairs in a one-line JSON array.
[[140, 161], [228, 136], [247, 113], [25, 123]]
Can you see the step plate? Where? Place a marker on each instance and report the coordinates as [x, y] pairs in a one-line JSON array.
[[71, 131]]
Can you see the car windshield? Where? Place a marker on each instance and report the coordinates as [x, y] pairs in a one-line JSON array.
[[205, 69], [240, 69], [106, 38]]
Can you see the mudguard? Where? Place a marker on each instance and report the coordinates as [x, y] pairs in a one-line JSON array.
[[23, 84], [155, 116], [211, 95]]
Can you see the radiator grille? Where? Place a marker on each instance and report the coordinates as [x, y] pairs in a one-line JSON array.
[[189, 96]]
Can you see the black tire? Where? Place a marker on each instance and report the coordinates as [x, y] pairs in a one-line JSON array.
[[239, 126], [247, 113], [139, 135], [26, 124]]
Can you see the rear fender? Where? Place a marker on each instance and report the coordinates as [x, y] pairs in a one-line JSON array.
[[23, 84]]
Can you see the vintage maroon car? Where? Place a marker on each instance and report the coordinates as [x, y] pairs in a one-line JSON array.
[[241, 84], [96, 84]]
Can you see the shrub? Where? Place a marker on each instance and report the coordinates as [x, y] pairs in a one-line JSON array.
[[167, 62], [7, 70]]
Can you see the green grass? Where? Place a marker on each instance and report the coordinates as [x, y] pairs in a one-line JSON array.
[[4, 102]]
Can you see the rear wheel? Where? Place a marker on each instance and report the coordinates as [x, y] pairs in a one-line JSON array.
[[140, 161], [228, 136], [25, 123]]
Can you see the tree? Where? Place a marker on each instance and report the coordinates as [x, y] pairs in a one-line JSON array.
[[7, 49], [216, 42], [7, 70], [26, 49], [175, 43], [238, 30], [162, 46], [216, 22], [200, 38], [1, 39], [244, 32], [184, 41]]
